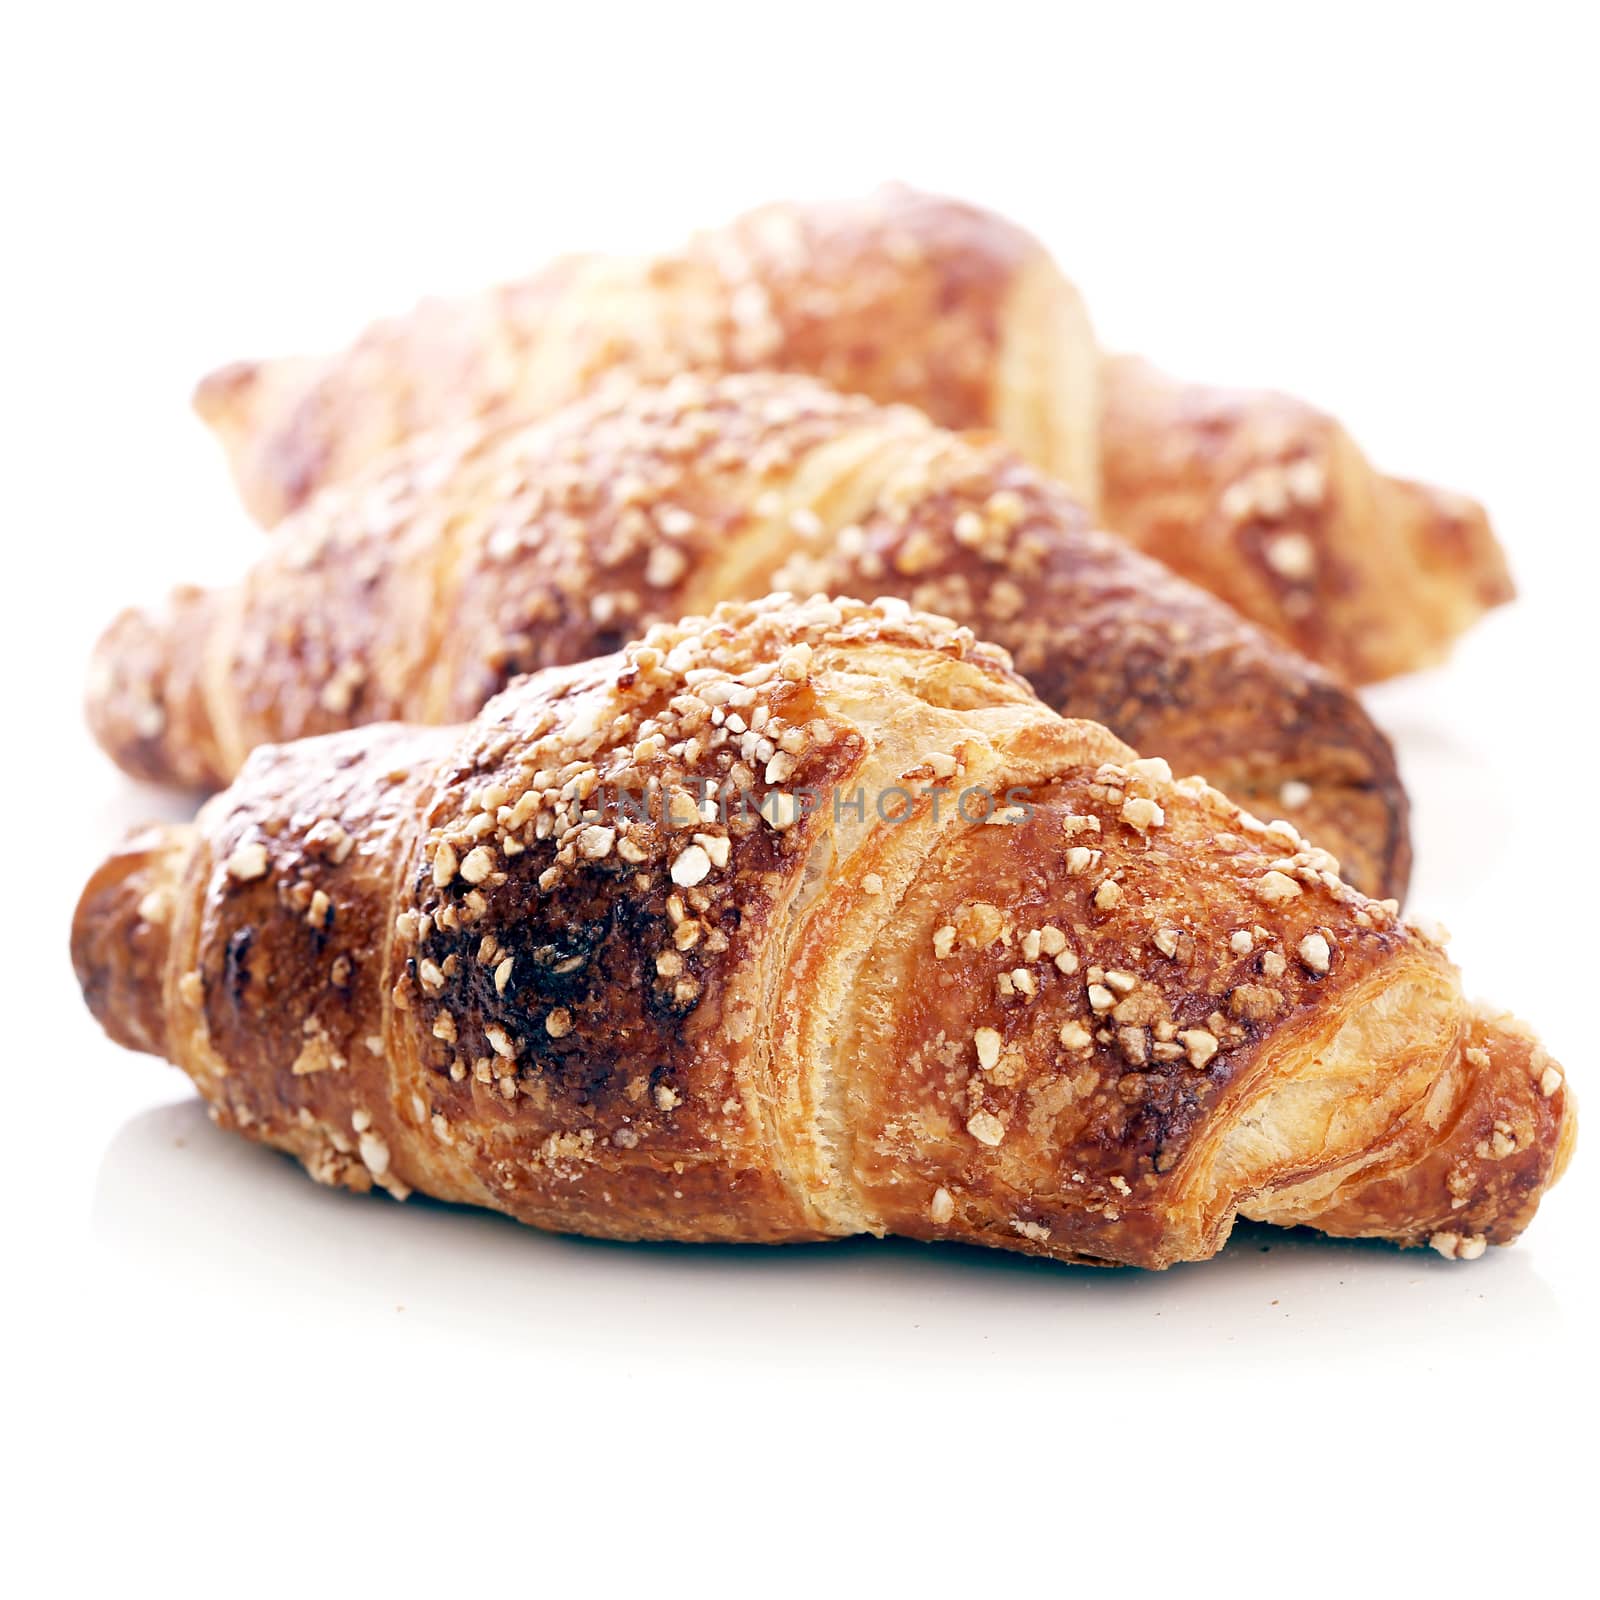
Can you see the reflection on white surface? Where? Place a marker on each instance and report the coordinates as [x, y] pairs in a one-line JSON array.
[[183, 1204]]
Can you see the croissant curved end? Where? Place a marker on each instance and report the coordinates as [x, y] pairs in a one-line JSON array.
[[265, 415], [144, 698], [1567, 1142], [222, 398], [124, 701], [1457, 574], [1467, 1165], [122, 935]]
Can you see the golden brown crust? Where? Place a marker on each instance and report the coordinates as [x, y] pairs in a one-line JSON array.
[[1105, 634], [903, 296], [596, 961], [916, 299], [1268, 503], [422, 588]]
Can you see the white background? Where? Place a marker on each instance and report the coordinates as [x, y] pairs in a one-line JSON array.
[[225, 1377]]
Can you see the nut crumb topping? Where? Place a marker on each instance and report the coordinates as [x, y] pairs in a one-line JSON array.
[[986, 1128], [1275, 887], [1314, 952], [248, 862]]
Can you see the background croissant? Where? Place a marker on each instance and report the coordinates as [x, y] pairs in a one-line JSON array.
[[1091, 1013], [909, 297], [422, 587]]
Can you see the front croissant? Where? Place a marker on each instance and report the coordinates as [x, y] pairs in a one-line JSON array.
[[909, 297], [803, 921]]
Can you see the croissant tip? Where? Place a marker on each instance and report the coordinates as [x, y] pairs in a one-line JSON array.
[[1567, 1140], [121, 933], [140, 698], [1454, 537], [223, 393]]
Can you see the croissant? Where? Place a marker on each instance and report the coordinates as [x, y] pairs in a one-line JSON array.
[[419, 589], [801, 921], [906, 297]]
